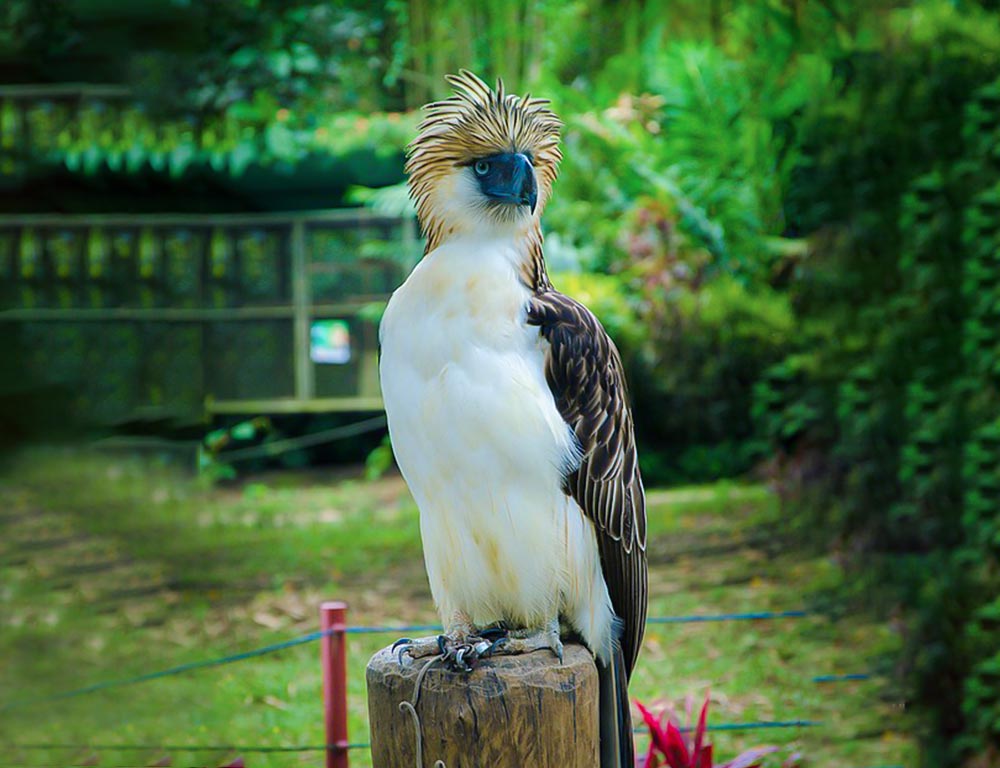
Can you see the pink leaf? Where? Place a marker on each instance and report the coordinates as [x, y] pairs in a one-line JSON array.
[[655, 730], [677, 752], [699, 732], [651, 761], [706, 757]]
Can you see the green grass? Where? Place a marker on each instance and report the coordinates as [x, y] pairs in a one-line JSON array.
[[111, 567]]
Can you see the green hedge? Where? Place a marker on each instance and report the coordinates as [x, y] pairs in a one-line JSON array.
[[887, 414]]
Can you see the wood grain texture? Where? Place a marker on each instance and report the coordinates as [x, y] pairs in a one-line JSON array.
[[510, 712]]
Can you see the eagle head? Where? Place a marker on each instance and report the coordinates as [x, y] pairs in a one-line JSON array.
[[483, 161]]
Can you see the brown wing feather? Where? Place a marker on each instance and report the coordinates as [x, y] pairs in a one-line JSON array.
[[585, 373]]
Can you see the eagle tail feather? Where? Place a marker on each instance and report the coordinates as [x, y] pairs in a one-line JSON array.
[[617, 747]]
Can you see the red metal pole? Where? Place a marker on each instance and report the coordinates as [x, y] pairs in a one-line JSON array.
[[333, 620]]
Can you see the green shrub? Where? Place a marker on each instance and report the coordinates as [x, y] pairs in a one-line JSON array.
[[708, 344], [693, 352]]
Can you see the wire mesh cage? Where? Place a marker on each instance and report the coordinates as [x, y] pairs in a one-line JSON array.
[[169, 315]]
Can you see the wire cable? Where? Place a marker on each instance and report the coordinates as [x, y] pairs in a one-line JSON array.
[[179, 669], [305, 441], [312, 636]]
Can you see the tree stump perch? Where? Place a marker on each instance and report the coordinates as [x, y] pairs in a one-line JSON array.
[[510, 712]]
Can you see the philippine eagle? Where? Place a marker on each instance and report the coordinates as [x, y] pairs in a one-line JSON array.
[[508, 410]]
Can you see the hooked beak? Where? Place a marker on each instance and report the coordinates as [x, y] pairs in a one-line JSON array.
[[525, 182], [511, 179]]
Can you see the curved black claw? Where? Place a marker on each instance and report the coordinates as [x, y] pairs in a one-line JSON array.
[[403, 645], [415, 649], [496, 645], [493, 633]]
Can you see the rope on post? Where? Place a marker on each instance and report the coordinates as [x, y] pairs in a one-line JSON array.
[[411, 707]]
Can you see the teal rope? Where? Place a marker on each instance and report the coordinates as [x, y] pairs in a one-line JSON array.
[[762, 725], [179, 669], [692, 619], [757, 616], [312, 636], [195, 747], [751, 726], [841, 678]]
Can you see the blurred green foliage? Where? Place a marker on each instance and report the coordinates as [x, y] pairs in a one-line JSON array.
[[225, 84], [885, 415], [786, 213]]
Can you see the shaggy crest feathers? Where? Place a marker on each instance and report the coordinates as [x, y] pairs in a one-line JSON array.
[[478, 121]]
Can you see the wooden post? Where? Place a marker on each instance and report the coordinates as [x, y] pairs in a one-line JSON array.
[[305, 375], [510, 712]]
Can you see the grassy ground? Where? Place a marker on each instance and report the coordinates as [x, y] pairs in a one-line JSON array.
[[111, 567]]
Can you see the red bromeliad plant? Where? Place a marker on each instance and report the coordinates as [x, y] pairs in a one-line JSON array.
[[670, 747]]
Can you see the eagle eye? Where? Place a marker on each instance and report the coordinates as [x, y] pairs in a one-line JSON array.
[[482, 167]]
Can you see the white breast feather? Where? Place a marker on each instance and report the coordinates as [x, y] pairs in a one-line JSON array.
[[483, 448]]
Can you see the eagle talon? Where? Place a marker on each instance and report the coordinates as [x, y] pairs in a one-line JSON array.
[[464, 655], [496, 646], [415, 649], [400, 647], [519, 641]]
